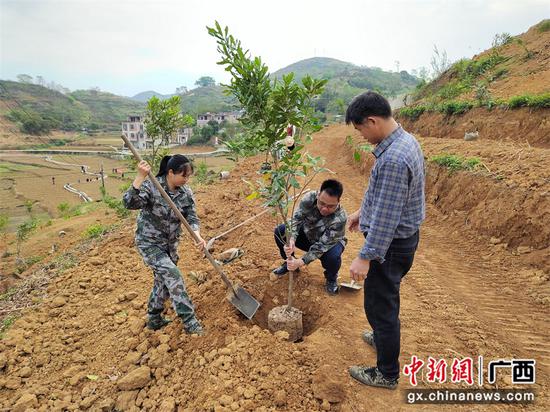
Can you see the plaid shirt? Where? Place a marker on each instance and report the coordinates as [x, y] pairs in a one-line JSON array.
[[393, 206], [323, 232]]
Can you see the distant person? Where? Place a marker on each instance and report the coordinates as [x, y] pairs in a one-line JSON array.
[[289, 139], [318, 228], [390, 216], [157, 236], [53, 180], [283, 146]]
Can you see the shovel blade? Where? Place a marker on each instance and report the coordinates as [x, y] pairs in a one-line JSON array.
[[243, 301], [351, 285]]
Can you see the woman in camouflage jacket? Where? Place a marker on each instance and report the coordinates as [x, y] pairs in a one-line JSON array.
[[157, 236]]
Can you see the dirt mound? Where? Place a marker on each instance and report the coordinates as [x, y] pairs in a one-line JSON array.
[[87, 345], [525, 126]]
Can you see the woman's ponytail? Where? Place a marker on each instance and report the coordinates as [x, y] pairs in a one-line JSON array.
[[163, 168]]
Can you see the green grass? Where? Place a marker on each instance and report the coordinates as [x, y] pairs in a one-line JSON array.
[[543, 26], [526, 100], [6, 324], [95, 231], [412, 112], [455, 163], [454, 107]]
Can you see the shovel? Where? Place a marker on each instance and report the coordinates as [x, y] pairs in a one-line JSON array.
[[250, 219], [240, 298], [351, 285]]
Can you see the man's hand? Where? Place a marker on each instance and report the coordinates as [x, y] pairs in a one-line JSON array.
[[359, 269], [293, 263], [289, 250], [353, 221]]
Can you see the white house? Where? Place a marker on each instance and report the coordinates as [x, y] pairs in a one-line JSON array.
[[230, 117], [134, 131]]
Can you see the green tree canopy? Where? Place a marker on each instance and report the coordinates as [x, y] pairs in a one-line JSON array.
[[205, 81]]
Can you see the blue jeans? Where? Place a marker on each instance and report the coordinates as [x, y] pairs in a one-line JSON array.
[[382, 302], [331, 260]]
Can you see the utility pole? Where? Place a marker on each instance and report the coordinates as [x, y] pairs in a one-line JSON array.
[[102, 179]]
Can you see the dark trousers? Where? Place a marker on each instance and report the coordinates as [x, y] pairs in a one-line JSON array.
[[331, 260], [382, 302]]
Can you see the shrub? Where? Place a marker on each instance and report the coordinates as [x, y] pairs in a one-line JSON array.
[[117, 205], [94, 231], [203, 175], [454, 107], [518, 101], [413, 112], [526, 100], [67, 211], [539, 101], [452, 90], [455, 162]]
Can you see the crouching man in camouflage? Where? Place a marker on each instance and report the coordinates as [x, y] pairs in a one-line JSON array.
[[157, 236], [319, 226]]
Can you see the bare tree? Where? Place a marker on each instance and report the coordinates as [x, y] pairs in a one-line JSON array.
[[439, 62]]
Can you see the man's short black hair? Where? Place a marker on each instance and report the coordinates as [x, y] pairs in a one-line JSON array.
[[333, 188], [365, 105]]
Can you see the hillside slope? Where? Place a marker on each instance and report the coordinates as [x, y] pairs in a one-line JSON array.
[[502, 93], [72, 111], [346, 80]]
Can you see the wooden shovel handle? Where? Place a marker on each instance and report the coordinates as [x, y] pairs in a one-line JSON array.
[[181, 217]]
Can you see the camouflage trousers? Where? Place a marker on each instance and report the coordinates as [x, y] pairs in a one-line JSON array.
[[167, 283]]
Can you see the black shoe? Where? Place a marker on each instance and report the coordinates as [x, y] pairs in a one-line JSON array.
[[281, 270], [157, 322], [331, 287], [372, 377]]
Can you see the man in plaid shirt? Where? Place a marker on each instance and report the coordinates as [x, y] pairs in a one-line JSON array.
[[318, 227], [390, 216]]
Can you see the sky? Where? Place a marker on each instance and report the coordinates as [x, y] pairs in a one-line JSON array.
[[129, 46]]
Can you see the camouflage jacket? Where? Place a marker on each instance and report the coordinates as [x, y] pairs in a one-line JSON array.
[[157, 225], [323, 232]]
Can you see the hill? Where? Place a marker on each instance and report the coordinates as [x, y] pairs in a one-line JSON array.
[[31, 105], [477, 94], [346, 80], [107, 109], [207, 99], [145, 96]]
